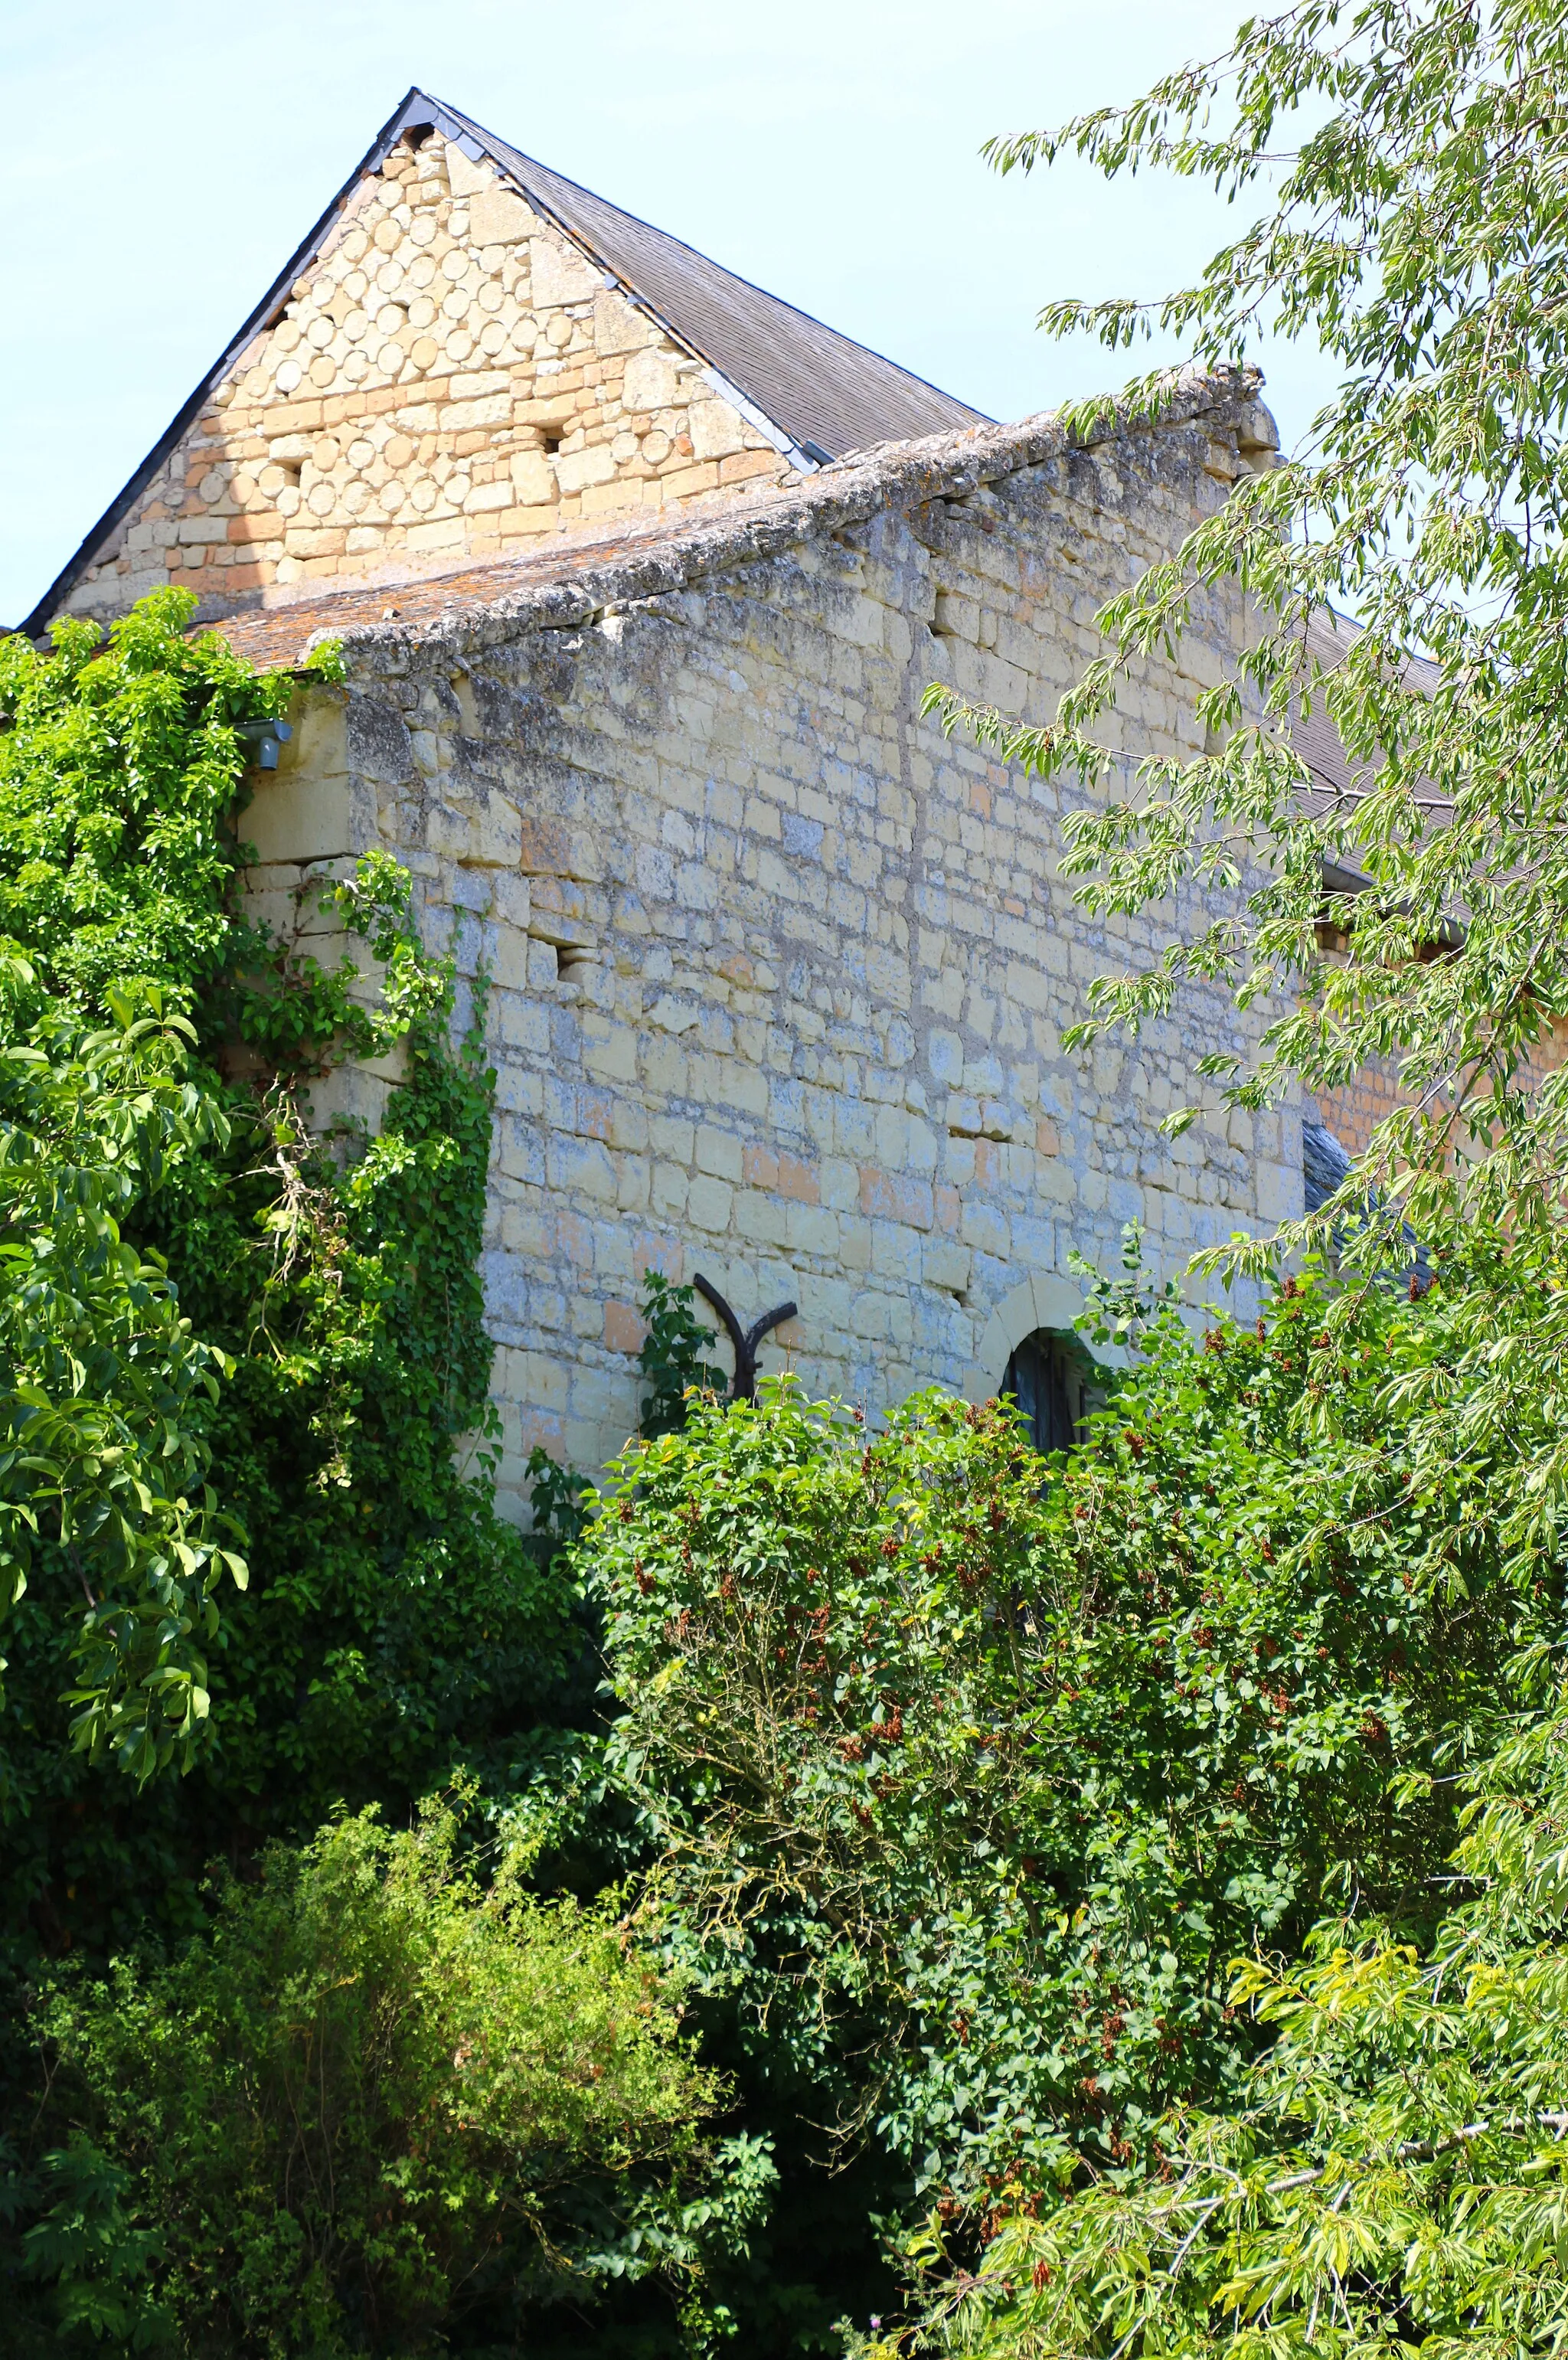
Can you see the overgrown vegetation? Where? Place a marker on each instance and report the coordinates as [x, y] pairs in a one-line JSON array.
[[372, 2105], [1126, 1889], [250, 1540], [971, 1776], [1388, 2174]]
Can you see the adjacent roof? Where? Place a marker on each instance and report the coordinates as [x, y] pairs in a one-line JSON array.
[[1324, 1163], [1330, 636], [824, 394]]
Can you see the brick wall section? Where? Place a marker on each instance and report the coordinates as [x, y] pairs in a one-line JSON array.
[[453, 380], [1353, 1110], [778, 976]]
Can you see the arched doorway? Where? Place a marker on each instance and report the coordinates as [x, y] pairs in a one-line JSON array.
[[1048, 1377]]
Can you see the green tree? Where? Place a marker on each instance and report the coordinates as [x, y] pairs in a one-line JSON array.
[[222, 1330], [1388, 2174], [1408, 157], [225, 1344], [1394, 2177], [102, 1384]]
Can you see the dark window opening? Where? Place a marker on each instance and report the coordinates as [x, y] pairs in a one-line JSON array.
[[552, 443], [1049, 1376]]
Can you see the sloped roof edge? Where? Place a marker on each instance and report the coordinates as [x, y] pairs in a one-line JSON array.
[[824, 392], [545, 190], [409, 109]]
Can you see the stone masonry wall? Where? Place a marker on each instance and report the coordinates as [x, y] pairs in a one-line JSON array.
[[779, 974], [453, 380]]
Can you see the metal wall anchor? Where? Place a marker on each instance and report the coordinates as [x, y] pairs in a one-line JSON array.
[[745, 1341]]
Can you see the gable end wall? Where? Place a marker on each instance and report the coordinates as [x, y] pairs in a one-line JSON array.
[[452, 379]]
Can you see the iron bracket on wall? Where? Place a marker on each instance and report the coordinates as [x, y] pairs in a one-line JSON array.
[[745, 1341]]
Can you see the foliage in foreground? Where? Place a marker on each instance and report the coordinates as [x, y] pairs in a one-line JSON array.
[[1397, 2174], [1410, 157], [106, 1389], [971, 1773], [374, 2105], [226, 1349], [1390, 2176]]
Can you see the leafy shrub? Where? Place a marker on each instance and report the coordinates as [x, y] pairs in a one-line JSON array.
[[376, 2101], [1392, 2178], [104, 1387], [225, 1344], [974, 1770]]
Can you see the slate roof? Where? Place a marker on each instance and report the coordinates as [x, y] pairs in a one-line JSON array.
[[1323, 1162], [822, 392], [821, 388]]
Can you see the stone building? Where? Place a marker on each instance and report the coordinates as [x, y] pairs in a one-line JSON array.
[[640, 575]]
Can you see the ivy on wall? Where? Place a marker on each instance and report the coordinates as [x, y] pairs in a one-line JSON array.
[[240, 1538]]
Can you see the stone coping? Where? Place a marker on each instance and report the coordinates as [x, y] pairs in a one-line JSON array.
[[571, 582]]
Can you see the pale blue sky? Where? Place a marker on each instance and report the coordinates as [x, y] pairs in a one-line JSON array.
[[160, 163]]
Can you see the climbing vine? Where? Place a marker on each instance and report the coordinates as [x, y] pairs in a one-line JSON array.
[[247, 1526]]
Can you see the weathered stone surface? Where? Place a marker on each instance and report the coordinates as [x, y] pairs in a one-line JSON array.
[[395, 416], [779, 976]]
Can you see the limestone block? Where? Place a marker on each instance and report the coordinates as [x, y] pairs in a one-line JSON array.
[[559, 273], [718, 1152], [357, 1093], [709, 1203], [487, 409], [484, 497], [484, 835], [499, 217], [305, 810], [716, 429], [618, 325], [575, 470], [945, 1265], [650, 382], [466, 176], [533, 479]]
